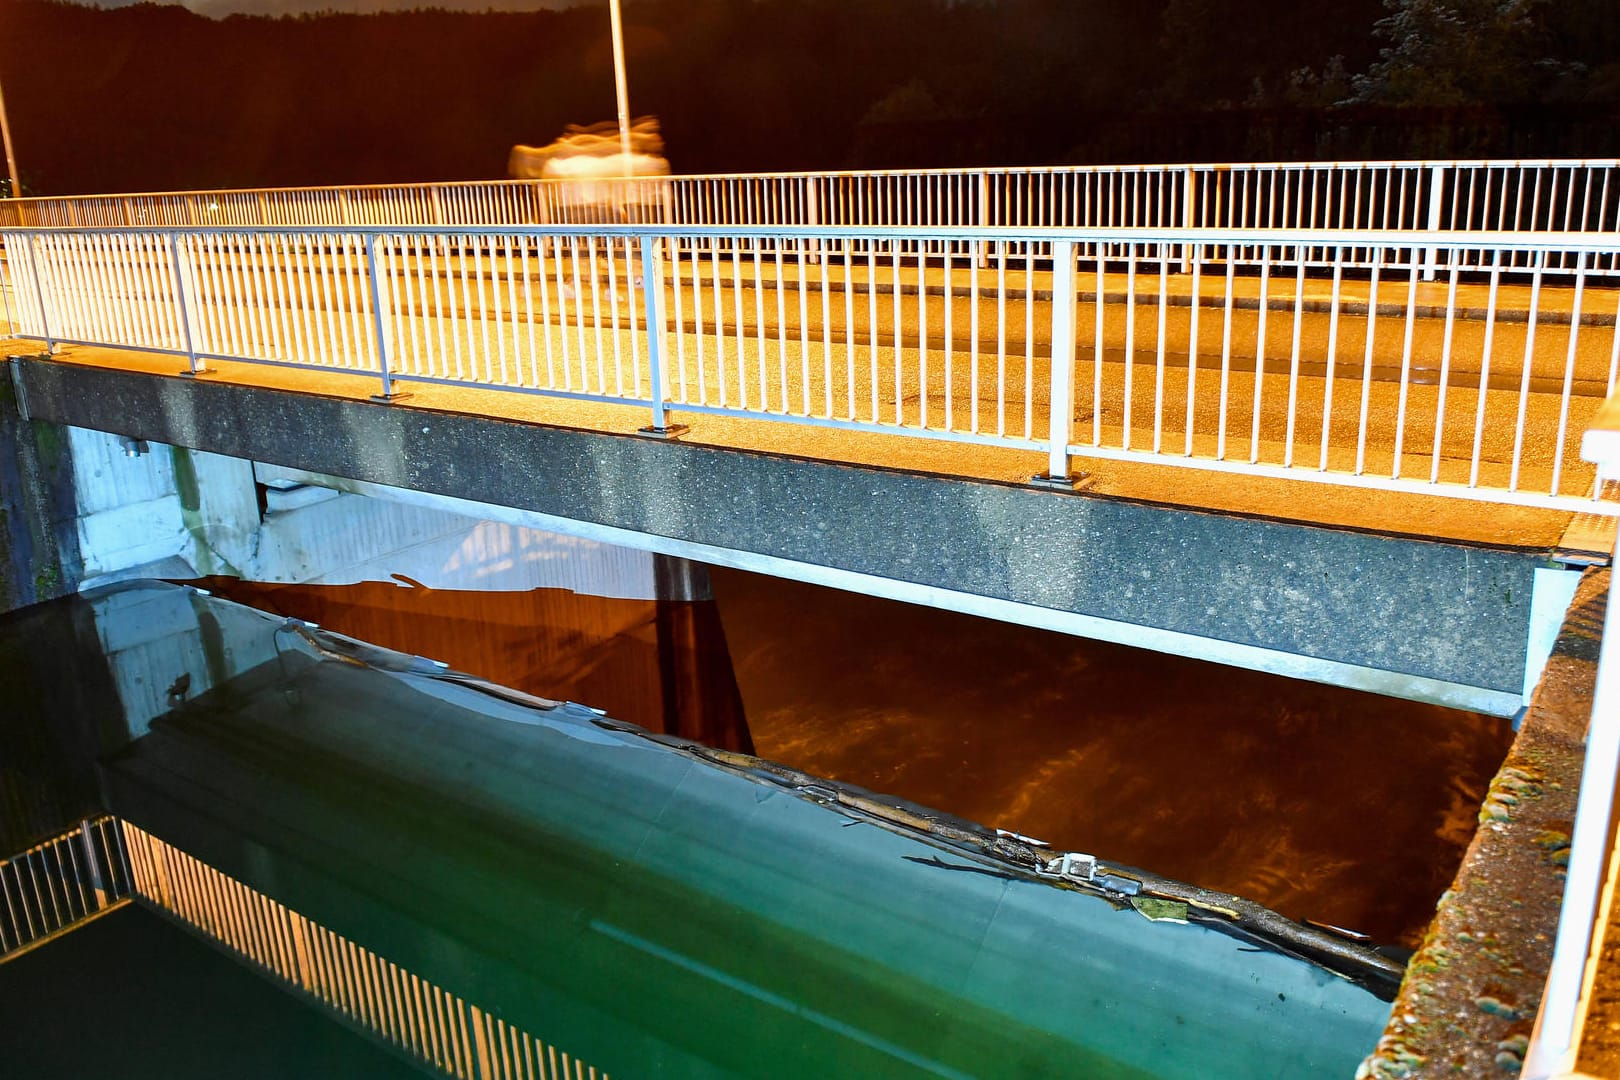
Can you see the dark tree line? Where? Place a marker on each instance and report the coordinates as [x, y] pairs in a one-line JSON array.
[[155, 98]]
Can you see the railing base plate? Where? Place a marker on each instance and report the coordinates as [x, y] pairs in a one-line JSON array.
[[671, 431], [397, 395], [1072, 482]]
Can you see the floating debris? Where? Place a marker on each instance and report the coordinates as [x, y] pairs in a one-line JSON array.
[[1153, 910]]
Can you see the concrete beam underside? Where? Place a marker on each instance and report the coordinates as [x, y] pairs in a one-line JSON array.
[[1436, 620]]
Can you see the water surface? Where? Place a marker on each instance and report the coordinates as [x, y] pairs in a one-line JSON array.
[[1326, 804]]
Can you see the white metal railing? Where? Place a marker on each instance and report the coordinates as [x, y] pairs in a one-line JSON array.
[[1558, 196], [1076, 341], [54, 886]]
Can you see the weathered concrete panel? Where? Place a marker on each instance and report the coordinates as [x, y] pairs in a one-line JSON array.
[[39, 552], [1435, 610]]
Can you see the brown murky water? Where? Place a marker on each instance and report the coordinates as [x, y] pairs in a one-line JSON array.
[[1323, 803]]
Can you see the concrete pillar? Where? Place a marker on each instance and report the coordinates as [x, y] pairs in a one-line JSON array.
[[81, 507], [700, 695]]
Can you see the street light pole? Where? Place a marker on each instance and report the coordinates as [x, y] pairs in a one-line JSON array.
[[11, 158], [619, 84]]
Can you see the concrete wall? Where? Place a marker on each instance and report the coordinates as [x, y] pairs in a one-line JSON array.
[[154, 508], [82, 508], [39, 557]]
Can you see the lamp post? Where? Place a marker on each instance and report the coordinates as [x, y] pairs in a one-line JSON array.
[[11, 159], [619, 84]]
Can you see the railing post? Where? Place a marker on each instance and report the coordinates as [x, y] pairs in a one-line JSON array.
[[298, 932], [155, 849], [98, 883], [1437, 190], [1060, 428], [984, 216], [1189, 212], [652, 293], [39, 299], [183, 287], [9, 293], [438, 204], [666, 200], [377, 324], [812, 215]]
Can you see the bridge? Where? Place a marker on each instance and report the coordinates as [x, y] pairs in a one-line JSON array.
[[1345, 422]]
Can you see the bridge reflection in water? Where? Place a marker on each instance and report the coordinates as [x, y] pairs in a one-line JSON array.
[[435, 858], [1323, 803]]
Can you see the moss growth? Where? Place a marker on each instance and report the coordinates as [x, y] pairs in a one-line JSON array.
[[1496, 1007], [1511, 787], [47, 582], [49, 441]]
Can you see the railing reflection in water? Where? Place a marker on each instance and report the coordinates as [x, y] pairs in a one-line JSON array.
[[413, 1015], [57, 885]]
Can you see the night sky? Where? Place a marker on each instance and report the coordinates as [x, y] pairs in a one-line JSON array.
[[219, 9], [151, 97]]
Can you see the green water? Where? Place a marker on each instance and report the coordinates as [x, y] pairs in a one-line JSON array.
[[132, 997], [660, 915]]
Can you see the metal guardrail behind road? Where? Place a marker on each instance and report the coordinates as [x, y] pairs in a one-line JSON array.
[[1074, 341], [1557, 196]]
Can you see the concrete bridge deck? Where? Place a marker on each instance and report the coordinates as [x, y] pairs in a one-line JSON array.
[[1253, 377], [1300, 501]]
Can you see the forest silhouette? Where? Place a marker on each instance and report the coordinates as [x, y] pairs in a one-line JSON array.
[[149, 97]]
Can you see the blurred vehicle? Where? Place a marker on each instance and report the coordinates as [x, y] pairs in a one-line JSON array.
[[593, 182], [593, 152], [600, 184]]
